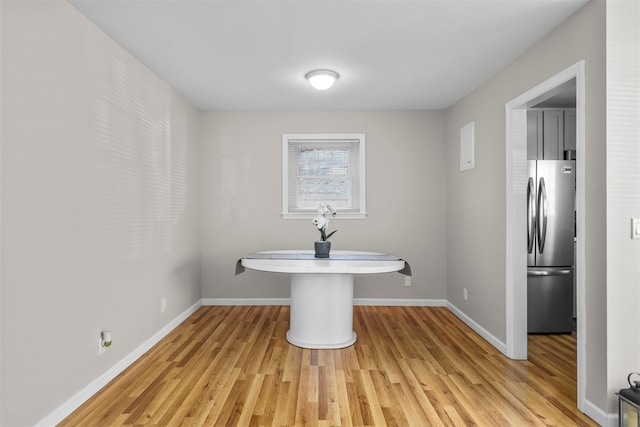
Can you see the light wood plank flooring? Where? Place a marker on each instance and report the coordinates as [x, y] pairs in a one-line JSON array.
[[411, 366]]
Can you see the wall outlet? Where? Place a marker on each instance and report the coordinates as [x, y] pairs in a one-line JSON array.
[[465, 295], [407, 280], [101, 348], [163, 304], [104, 341]]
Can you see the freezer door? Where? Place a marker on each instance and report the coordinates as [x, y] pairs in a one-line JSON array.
[[550, 300], [555, 200]]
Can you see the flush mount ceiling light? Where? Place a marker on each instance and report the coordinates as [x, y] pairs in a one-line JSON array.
[[322, 79]]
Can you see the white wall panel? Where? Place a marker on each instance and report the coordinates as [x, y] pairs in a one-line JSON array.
[[623, 193]]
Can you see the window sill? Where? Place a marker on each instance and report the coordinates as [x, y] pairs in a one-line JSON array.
[[311, 215]]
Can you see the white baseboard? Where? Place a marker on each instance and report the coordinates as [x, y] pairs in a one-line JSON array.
[[245, 301], [600, 416], [356, 301], [501, 346], [401, 302], [74, 402]]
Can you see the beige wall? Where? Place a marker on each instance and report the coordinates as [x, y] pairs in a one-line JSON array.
[[242, 200], [623, 193], [99, 206], [582, 37]]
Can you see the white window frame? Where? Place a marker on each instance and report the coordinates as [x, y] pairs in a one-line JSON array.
[[321, 139]]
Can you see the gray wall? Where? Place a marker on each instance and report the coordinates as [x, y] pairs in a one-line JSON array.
[[242, 199], [469, 193], [99, 206]]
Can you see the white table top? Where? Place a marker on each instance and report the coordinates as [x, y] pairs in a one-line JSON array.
[[340, 262]]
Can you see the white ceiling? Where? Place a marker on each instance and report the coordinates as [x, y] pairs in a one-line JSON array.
[[393, 54]]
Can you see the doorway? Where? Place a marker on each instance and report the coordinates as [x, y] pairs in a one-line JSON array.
[[516, 181]]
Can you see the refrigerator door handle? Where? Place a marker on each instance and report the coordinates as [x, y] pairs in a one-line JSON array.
[[562, 272], [531, 215], [542, 215]]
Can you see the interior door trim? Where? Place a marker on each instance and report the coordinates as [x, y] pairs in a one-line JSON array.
[[515, 254]]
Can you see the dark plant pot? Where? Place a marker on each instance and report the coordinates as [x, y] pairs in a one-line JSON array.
[[322, 248]]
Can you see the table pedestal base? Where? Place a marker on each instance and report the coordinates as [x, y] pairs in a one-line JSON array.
[[321, 313]]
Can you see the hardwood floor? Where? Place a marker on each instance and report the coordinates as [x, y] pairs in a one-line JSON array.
[[411, 366]]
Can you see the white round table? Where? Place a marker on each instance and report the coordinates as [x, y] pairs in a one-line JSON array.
[[321, 313]]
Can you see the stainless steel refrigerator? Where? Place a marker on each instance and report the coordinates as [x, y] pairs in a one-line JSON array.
[[550, 238]]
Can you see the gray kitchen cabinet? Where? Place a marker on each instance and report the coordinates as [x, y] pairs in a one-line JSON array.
[[549, 133], [553, 135], [534, 134], [570, 129]]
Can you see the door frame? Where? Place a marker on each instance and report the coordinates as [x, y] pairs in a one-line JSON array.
[[515, 192]]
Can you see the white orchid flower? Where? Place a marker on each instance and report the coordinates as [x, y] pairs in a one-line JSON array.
[[322, 222], [324, 209]]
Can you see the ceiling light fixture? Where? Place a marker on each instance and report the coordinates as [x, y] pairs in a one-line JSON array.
[[322, 79]]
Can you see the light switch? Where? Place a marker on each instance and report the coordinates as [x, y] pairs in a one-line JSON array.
[[635, 228]]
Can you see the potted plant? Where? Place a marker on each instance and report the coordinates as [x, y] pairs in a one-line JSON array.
[[323, 246]]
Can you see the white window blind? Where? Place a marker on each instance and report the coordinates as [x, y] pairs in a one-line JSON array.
[[327, 168]]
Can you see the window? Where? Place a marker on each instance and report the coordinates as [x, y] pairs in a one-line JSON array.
[[323, 168]]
